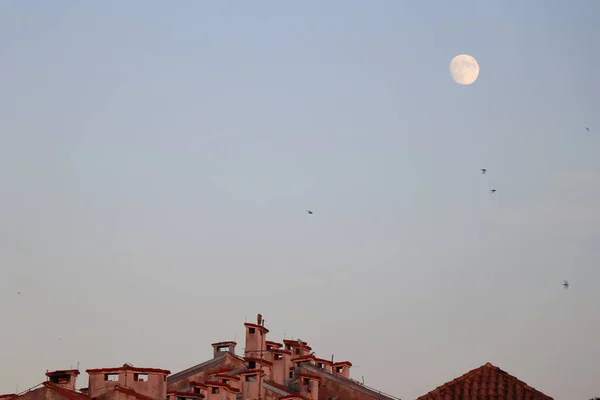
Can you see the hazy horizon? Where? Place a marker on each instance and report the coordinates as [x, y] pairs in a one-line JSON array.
[[157, 161]]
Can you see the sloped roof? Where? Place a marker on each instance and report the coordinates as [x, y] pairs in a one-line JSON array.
[[483, 383], [132, 392], [195, 369], [348, 383], [281, 390], [70, 394]]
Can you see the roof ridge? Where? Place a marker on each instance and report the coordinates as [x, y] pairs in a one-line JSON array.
[[461, 380]]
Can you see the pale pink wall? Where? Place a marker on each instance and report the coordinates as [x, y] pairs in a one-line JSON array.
[[255, 342], [281, 367], [250, 389], [155, 386]]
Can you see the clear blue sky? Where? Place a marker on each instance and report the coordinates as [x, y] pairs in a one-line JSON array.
[[157, 159]]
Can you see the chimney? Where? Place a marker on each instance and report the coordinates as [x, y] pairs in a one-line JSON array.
[[342, 368], [223, 347], [256, 336], [65, 378], [309, 386]]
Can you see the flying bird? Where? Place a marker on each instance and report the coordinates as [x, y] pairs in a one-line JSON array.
[[483, 171], [587, 129], [308, 211], [492, 191], [18, 292], [565, 284]]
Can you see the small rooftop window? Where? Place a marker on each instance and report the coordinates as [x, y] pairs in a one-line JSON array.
[[250, 378], [321, 365], [277, 356], [140, 377], [339, 369], [252, 364], [215, 390], [60, 379], [251, 331], [111, 377]]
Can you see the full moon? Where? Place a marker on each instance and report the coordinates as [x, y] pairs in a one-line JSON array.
[[464, 69]]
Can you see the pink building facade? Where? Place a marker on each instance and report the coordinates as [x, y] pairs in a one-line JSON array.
[[267, 370]]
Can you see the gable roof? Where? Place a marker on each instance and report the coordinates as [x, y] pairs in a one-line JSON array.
[[486, 382]]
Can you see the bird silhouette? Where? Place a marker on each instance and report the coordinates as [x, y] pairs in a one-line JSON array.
[[18, 292], [565, 284], [492, 191], [587, 129], [308, 211], [483, 170]]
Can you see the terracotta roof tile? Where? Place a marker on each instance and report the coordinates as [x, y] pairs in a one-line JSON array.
[[70, 394], [486, 383], [132, 392]]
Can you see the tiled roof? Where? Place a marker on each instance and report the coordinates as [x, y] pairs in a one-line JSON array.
[[7, 395], [281, 390], [70, 394], [483, 383], [348, 383], [131, 392], [196, 369], [127, 367]]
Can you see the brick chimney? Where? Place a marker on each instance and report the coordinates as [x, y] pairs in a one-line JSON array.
[[256, 337], [65, 378], [342, 368]]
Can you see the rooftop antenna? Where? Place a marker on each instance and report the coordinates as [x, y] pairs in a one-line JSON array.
[[332, 358], [77, 365], [363, 380]]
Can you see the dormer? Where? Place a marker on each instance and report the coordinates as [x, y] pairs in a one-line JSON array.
[[273, 345], [65, 378], [231, 380], [198, 388], [325, 365], [223, 347], [256, 337], [308, 359], [309, 385], [297, 347], [250, 383], [342, 368], [281, 365]]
